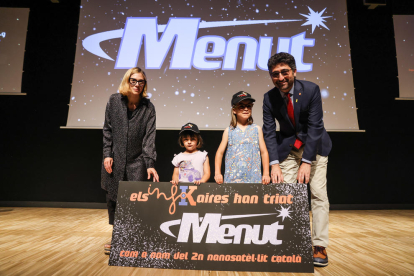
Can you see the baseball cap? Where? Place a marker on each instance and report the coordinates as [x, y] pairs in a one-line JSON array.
[[190, 127], [241, 96]]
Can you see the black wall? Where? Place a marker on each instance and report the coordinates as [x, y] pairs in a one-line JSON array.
[[41, 162]]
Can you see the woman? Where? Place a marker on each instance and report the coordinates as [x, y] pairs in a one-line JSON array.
[[128, 138]]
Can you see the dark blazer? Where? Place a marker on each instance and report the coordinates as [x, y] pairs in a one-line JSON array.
[[130, 142], [308, 118]]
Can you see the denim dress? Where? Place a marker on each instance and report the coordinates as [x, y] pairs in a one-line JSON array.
[[243, 161]]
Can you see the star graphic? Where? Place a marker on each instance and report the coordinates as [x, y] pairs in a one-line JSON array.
[[315, 19], [284, 213]]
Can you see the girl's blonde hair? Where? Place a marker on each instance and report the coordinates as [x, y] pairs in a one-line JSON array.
[[124, 87], [233, 121]]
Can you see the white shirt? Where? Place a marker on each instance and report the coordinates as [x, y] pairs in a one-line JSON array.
[[191, 165]]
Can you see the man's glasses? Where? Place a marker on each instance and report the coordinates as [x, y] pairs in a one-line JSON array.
[[284, 72], [243, 106], [133, 82]]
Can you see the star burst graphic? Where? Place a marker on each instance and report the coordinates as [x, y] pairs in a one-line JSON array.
[[315, 19], [284, 213]]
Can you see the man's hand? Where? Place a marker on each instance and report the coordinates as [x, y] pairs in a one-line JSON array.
[[108, 161], [304, 173], [276, 174], [153, 172]]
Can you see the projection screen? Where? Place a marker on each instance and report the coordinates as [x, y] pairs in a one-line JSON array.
[[13, 30], [404, 44], [197, 54]]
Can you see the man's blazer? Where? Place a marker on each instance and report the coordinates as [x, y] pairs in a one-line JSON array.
[[309, 128]]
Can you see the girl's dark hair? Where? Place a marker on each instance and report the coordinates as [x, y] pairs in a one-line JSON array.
[[192, 134]]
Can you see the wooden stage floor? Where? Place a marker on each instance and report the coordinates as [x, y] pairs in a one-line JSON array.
[[54, 241]]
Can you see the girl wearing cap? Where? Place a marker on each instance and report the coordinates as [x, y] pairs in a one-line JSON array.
[[246, 149], [191, 165]]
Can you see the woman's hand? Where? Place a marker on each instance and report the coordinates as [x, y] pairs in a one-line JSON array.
[[265, 179], [108, 161], [197, 182], [153, 172], [218, 178]]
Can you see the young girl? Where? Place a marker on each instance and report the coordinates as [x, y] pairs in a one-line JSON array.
[[245, 146], [191, 165]]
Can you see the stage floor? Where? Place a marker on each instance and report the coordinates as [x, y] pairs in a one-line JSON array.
[[57, 241]]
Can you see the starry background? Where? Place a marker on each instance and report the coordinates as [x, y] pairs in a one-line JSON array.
[[13, 29], [404, 43], [203, 96]]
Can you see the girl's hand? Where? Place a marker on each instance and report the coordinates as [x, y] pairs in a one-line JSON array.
[[175, 177], [108, 161], [265, 179], [218, 178], [197, 182]]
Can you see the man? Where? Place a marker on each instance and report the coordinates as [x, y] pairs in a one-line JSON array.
[[299, 152]]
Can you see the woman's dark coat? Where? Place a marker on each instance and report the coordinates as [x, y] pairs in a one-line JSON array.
[[130, 142]]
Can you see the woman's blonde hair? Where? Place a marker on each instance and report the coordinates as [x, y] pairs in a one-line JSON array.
[[233, 121], [124, 87]]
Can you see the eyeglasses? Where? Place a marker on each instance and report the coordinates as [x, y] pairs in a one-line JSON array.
[[284, 72], [242, 106], [133, 82]]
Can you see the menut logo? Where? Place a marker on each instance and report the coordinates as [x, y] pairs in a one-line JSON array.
[[190, 51], [209, 226]]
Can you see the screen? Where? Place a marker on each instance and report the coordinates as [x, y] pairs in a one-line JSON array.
[[404, 43], [197, 54], [13, 29]]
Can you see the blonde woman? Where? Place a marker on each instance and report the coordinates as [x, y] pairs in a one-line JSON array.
[[128, 138]]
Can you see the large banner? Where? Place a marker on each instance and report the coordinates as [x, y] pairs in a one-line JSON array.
[[197, 54], [234, 227]]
